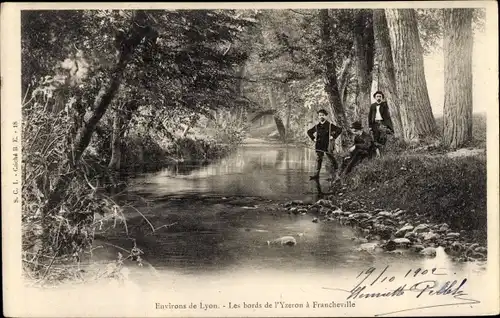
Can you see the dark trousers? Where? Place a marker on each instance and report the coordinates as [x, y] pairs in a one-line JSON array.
[[319, 161], [356, 157], [379, 132]]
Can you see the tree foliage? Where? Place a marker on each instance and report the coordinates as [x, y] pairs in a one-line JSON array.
[[431, 26], [81, 69], [91, 79]]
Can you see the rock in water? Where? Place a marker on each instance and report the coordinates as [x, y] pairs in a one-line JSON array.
[[336, 213], [368, 247], [411, 236], [385, 214], [417, 248], [452, 235], [477, 256], [284, 240], [421, 228], [359, 216], [402, 231], [430, 236], [402, 242], [360, 240], [399, 213], [481, 249], [429, 252], [325, 203], [315, 220], [390, 246], [473, 246]]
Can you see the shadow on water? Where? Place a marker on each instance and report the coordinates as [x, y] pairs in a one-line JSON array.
[[223, 214], [267, 171]]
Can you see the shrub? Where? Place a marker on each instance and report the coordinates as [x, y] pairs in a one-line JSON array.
[[197, 149], [53, 240]]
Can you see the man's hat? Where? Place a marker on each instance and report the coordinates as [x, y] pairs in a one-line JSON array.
[[356, 125], [323, 111], [379, 92]]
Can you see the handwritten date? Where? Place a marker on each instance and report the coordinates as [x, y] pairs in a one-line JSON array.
[[371, 272]]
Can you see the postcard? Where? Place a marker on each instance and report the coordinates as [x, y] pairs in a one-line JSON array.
[[250, 159]]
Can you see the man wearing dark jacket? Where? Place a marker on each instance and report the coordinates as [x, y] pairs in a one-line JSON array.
[[363, 147], [324, 135], [379, 117]]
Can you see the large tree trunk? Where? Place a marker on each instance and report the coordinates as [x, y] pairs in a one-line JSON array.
[[386, 80], [457, 126], [101, 104], [364, 52], [415, 107], [279, 123], [330, 78]]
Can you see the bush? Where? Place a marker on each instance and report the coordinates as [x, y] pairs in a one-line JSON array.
[[436, 187], [65, 231], [142, 153], [197, 149], [55, 242], [228, 129]]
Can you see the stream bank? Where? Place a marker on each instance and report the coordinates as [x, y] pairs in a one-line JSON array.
[[394, 231], [225, 212]]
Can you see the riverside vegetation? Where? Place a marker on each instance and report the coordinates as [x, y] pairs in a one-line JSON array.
[[415, 200], [135, 91]]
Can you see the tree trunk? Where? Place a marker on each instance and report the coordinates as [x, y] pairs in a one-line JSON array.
[[415, 108], [121, 119], [101, 104], [281, 127], [241, 74], [288, 113], [192, 121], [458, 42], [330, 78], [344, 77], [279, 123], [116, 154], [364, 52], [386, 81]]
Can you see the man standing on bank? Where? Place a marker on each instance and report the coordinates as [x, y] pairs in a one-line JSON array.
[[379, 117], [324, 134]]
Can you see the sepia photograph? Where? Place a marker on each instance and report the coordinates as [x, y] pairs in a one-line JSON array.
[[242, 159]]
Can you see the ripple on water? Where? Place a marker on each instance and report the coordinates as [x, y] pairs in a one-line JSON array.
[[221, 235]]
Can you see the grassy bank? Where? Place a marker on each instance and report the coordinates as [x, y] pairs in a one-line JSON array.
[[435, 189]]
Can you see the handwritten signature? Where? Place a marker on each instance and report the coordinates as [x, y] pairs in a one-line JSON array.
[[426, 287]]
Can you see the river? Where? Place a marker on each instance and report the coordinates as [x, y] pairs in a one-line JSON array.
[[215, 251]]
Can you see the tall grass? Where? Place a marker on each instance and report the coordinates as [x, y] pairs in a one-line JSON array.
[[438, 188], [55, 242]]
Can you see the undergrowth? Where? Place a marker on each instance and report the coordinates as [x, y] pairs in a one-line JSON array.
[[438, 188], [56, 243]]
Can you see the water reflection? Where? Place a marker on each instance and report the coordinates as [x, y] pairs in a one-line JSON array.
[[216, 235], [271, 172]]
